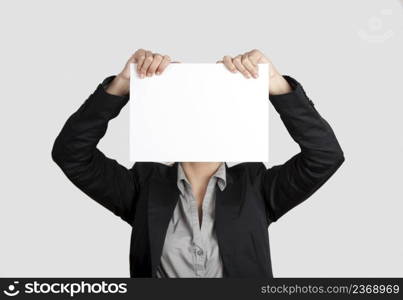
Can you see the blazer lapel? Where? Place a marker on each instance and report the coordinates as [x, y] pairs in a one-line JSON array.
[[163, 197], [229, 204]]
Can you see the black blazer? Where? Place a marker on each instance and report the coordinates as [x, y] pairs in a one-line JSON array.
[[145, 195]]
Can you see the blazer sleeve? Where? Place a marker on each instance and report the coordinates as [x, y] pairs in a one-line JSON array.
[[287, 185], [75, 152]]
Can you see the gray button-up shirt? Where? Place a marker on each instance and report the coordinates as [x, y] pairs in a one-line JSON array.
[[191, 251]]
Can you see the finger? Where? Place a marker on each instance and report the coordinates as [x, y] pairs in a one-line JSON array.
[[255, 56], [147, 62], [138, 54], [238, 64], [252, 69], [164, 63], [227, 60], [139, 57], [154, 65]]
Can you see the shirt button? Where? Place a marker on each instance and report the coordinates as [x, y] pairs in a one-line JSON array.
[[200, 252]]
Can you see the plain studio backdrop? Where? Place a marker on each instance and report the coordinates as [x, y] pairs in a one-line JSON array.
[[347, 55]]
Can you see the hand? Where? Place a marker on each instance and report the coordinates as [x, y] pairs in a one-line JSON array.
[[148, 64], [247, 65]]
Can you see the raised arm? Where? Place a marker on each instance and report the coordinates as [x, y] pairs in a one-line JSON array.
[[75, 148], [285, 186]]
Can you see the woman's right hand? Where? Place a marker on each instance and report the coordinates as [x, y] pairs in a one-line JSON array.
[[147, 64]]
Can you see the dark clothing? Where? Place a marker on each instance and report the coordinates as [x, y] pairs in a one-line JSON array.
[[145, 195]]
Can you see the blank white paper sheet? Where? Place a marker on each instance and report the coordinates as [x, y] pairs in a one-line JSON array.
[[199, 112]]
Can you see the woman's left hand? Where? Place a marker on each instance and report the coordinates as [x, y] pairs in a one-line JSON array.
[[247, 65]]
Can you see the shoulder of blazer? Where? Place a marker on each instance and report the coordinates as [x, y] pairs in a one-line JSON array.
[[249, 169], [144, 171]]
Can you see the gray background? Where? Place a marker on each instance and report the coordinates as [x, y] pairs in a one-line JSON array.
[[54, 53]]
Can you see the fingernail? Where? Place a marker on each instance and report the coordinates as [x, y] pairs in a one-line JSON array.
[[255, 75], [141, 75], [157, 73]]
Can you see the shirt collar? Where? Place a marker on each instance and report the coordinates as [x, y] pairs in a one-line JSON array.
[[220, 175]]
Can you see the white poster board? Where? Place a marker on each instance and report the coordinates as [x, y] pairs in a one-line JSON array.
[[199, 112]]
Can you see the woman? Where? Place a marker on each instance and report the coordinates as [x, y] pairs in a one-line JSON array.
[[198, 219]]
